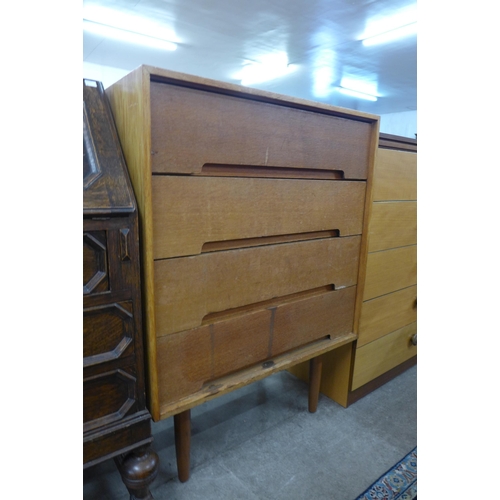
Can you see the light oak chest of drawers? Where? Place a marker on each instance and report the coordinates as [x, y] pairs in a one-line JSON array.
[[253, 216], [388, 322], [386, 343]]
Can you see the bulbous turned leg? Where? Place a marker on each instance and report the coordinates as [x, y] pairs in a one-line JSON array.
[[138, 470]]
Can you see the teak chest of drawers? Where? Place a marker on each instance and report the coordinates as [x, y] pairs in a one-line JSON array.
[[116, 422], [253, 212]]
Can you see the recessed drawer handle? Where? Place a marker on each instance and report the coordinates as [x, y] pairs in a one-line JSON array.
[[214, 246], [413, 339], [271, 171]]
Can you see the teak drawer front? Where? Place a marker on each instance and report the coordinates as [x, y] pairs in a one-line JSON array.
[[386, 314], [380, 356], [189, 212], [392, 224], [390, 270], [189, 288], [395, 176], [190, 359], [191, 128]]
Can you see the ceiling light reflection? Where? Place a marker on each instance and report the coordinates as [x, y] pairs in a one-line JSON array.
[[364, 82], [357, 94], [389, 36], [323, 62], [267, 67], [382, 29], [127, 36], [323, 78]]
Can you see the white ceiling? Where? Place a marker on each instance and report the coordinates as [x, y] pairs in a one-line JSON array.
[[217, 38]]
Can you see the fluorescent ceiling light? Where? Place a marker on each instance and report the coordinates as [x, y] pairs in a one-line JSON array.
[[267, 68], [323, 78], [127, 36], [357, 94], [389, 36]]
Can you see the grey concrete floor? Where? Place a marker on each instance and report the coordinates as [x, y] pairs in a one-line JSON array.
[[261, 443]]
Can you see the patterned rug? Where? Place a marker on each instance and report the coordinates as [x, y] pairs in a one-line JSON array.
[[398, 483]]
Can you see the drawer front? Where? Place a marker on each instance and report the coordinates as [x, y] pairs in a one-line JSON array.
[[189, 288], [386, 314], [110, 255], [108, 398], [390, 270], [395, 176], [95, 262], [392, 224], [188, 360], [132, 432], [192, 130], [108, 332], [195, 214], [380, 356]]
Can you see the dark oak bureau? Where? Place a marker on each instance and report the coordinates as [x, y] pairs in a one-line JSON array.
[[116, 422]]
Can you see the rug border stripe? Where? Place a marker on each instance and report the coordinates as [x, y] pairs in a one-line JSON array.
[[363, 495]]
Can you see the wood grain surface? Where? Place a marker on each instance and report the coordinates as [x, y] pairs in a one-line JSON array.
[[392, 224], [191, 211], [191, 128], [387, 313], [395, 176], [375, 358], [390, 270], [189, 288]]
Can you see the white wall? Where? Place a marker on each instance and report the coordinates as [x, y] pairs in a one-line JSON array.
[[104, 74], [404, 124]]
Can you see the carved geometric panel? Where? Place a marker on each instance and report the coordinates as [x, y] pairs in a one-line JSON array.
[[107, 332], [107, 398], [95, 262]]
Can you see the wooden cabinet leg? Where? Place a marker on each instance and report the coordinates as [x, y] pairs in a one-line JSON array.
[[315, 365], [138, 470], [182, 429]]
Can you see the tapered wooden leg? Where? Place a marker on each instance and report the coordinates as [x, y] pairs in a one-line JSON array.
[[182, 429], [138, 470], [315, 365]]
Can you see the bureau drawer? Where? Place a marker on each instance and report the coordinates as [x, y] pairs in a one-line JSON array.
[[110, 248], [195, 131], [380, 356], [189, 360], [195, 214], [189, 288], [386, 314], [108, 331], [107, 398], [392, 224], [95, 262], [390, 270]]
